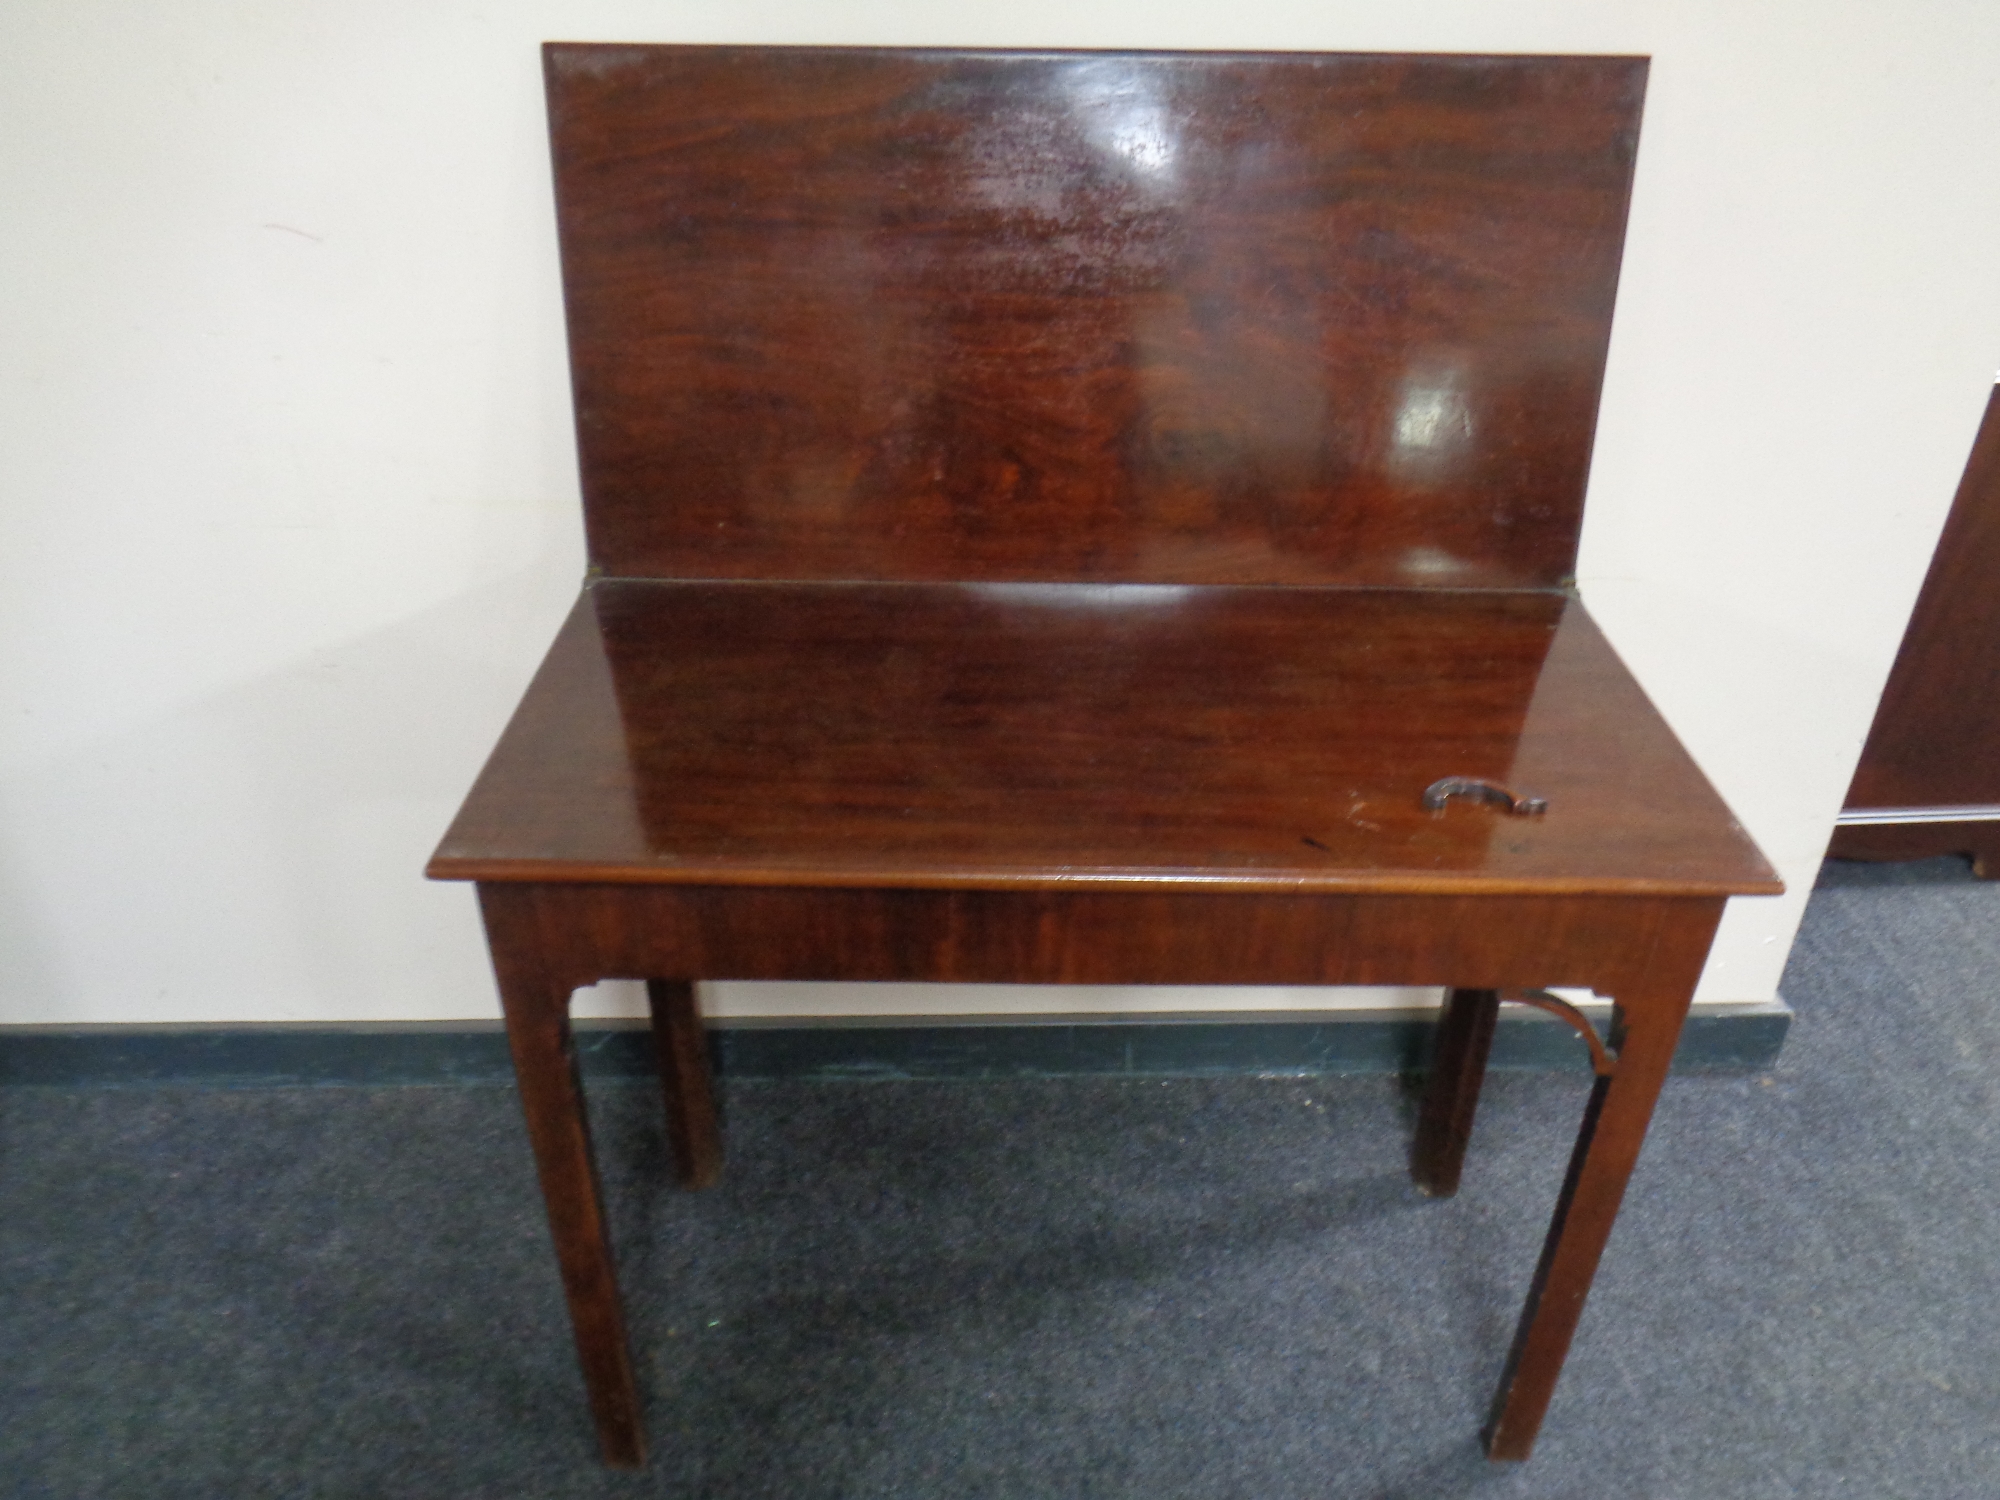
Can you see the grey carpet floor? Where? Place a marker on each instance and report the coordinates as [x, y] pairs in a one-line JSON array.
[[1048, 1288]]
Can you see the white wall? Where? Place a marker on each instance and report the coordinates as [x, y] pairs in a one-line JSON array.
[[287, 504]]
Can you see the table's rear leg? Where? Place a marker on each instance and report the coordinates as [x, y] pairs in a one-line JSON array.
[[1645, 1030], [1451, 1096], [681, 1047], [538, 1033]]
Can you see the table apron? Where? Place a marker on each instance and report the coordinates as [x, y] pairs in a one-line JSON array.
[[585, 933]]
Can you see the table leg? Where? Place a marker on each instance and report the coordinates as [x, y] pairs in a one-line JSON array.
[[1451, 1097], [1645, 1030], [538, 1032], [681, 1048]]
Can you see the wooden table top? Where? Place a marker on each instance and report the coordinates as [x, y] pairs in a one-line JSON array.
[[1193, 318], [1058, 735]]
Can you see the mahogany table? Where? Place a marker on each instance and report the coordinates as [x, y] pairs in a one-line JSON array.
[[1090, 518]]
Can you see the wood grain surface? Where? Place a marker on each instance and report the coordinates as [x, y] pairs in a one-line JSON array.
[[1063, 735], [839, 313], [1052, 517]]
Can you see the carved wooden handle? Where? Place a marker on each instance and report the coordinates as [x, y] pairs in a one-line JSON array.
[[1443, 790]]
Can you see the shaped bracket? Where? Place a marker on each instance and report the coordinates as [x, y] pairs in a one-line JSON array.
[[1602, 1060]]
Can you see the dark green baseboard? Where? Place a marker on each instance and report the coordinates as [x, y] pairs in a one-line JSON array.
[[1743, 1037]]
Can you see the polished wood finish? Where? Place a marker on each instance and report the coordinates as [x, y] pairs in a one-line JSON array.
[[680, 1048], [1646, 1025], [1149, 934], [1451, 1096], [535, 1000], [1032, 503], [1149, 318], [1936, 736], [1071, 735]]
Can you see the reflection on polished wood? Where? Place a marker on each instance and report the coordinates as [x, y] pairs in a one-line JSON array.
[[1052, 518], [1160, 319], [1072, 735]]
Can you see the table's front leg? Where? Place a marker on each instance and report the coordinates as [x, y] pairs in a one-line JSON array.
[[536, 1003], [1650, 1007]]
